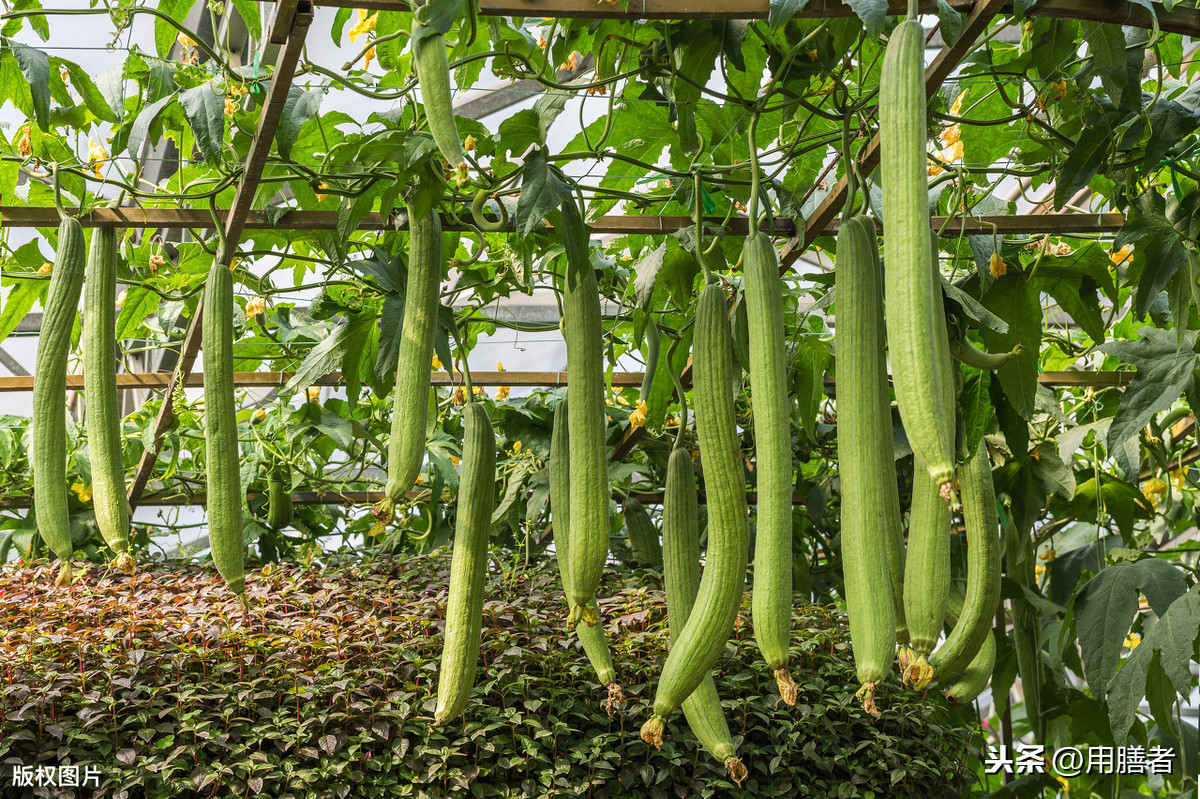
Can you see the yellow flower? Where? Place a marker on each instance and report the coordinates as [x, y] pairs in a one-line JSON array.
[[502, 393], [96, 157], [1122, 255], [956, 108], [121, 298], [1039, 570], [437, 364], [420, 479], [953, 152], [621, 400], [637, 417], [499, 367], [469, 144], [314, 393], [477, 391], [231, 106], [695, 455], [259, 417], [1033, 453], [1066, 786], [156, 261], [65, 74], [934, 170], [322, 185], [997, 266], [25, 144], [368, 57], [83, 491], [1132, 640], [951, 135], [670, 420], [454, 461], [185, 41], [517, 447], [255, 307], [1178, 479], [1049, 555], [1154, 490], [46, 268], [811, 53], [365, 24]]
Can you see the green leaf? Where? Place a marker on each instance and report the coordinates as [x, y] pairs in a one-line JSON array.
[[1018, 303], [1160, 253], [873, 14], [139, 303], [809, 365], [542, 191], [391, 319], [1106, 46], [141, 124], [976, 406], [18, 302], [1164, 373], [92, 97], [1083, 162], [248, 10], [436, 18], [35, 66], [205, 111], [1172, 639], [951, 21], [299, 107], [783, 10], [165, 33], [330, 353], [1170, 123], [1108, 604]]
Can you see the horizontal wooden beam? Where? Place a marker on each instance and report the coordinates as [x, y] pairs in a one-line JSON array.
[[160, 380], [167, 218], [1118, 12]]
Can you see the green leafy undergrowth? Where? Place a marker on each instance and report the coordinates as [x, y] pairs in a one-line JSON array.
[[326, 688]]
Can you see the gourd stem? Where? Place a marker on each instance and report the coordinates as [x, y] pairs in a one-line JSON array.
[[913, 9], [698, 217], [679, 392], [754, 176], [58, 206]]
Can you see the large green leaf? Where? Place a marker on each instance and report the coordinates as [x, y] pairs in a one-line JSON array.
[[1165, 372], [1013, 299], [1161, 250], [1171, 641], [35, 66], [205, 111], [1106, 606]]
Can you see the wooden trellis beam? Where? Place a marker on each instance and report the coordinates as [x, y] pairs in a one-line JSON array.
[[13, 216], [162, 380], [1118, 12], [291, 26]]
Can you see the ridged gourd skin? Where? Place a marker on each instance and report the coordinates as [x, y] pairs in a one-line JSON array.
[[279, 502], [433, 76], [681, 578], [771, 595], [644, 545], [978, 497], [703, 637], [410, 399], [591, 636], [893, 521], [911, 318], [586, 422], [223, 462], [864, 440], [49, 420], [927, 579], [970, 684], [468, 565], [101, 410]]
